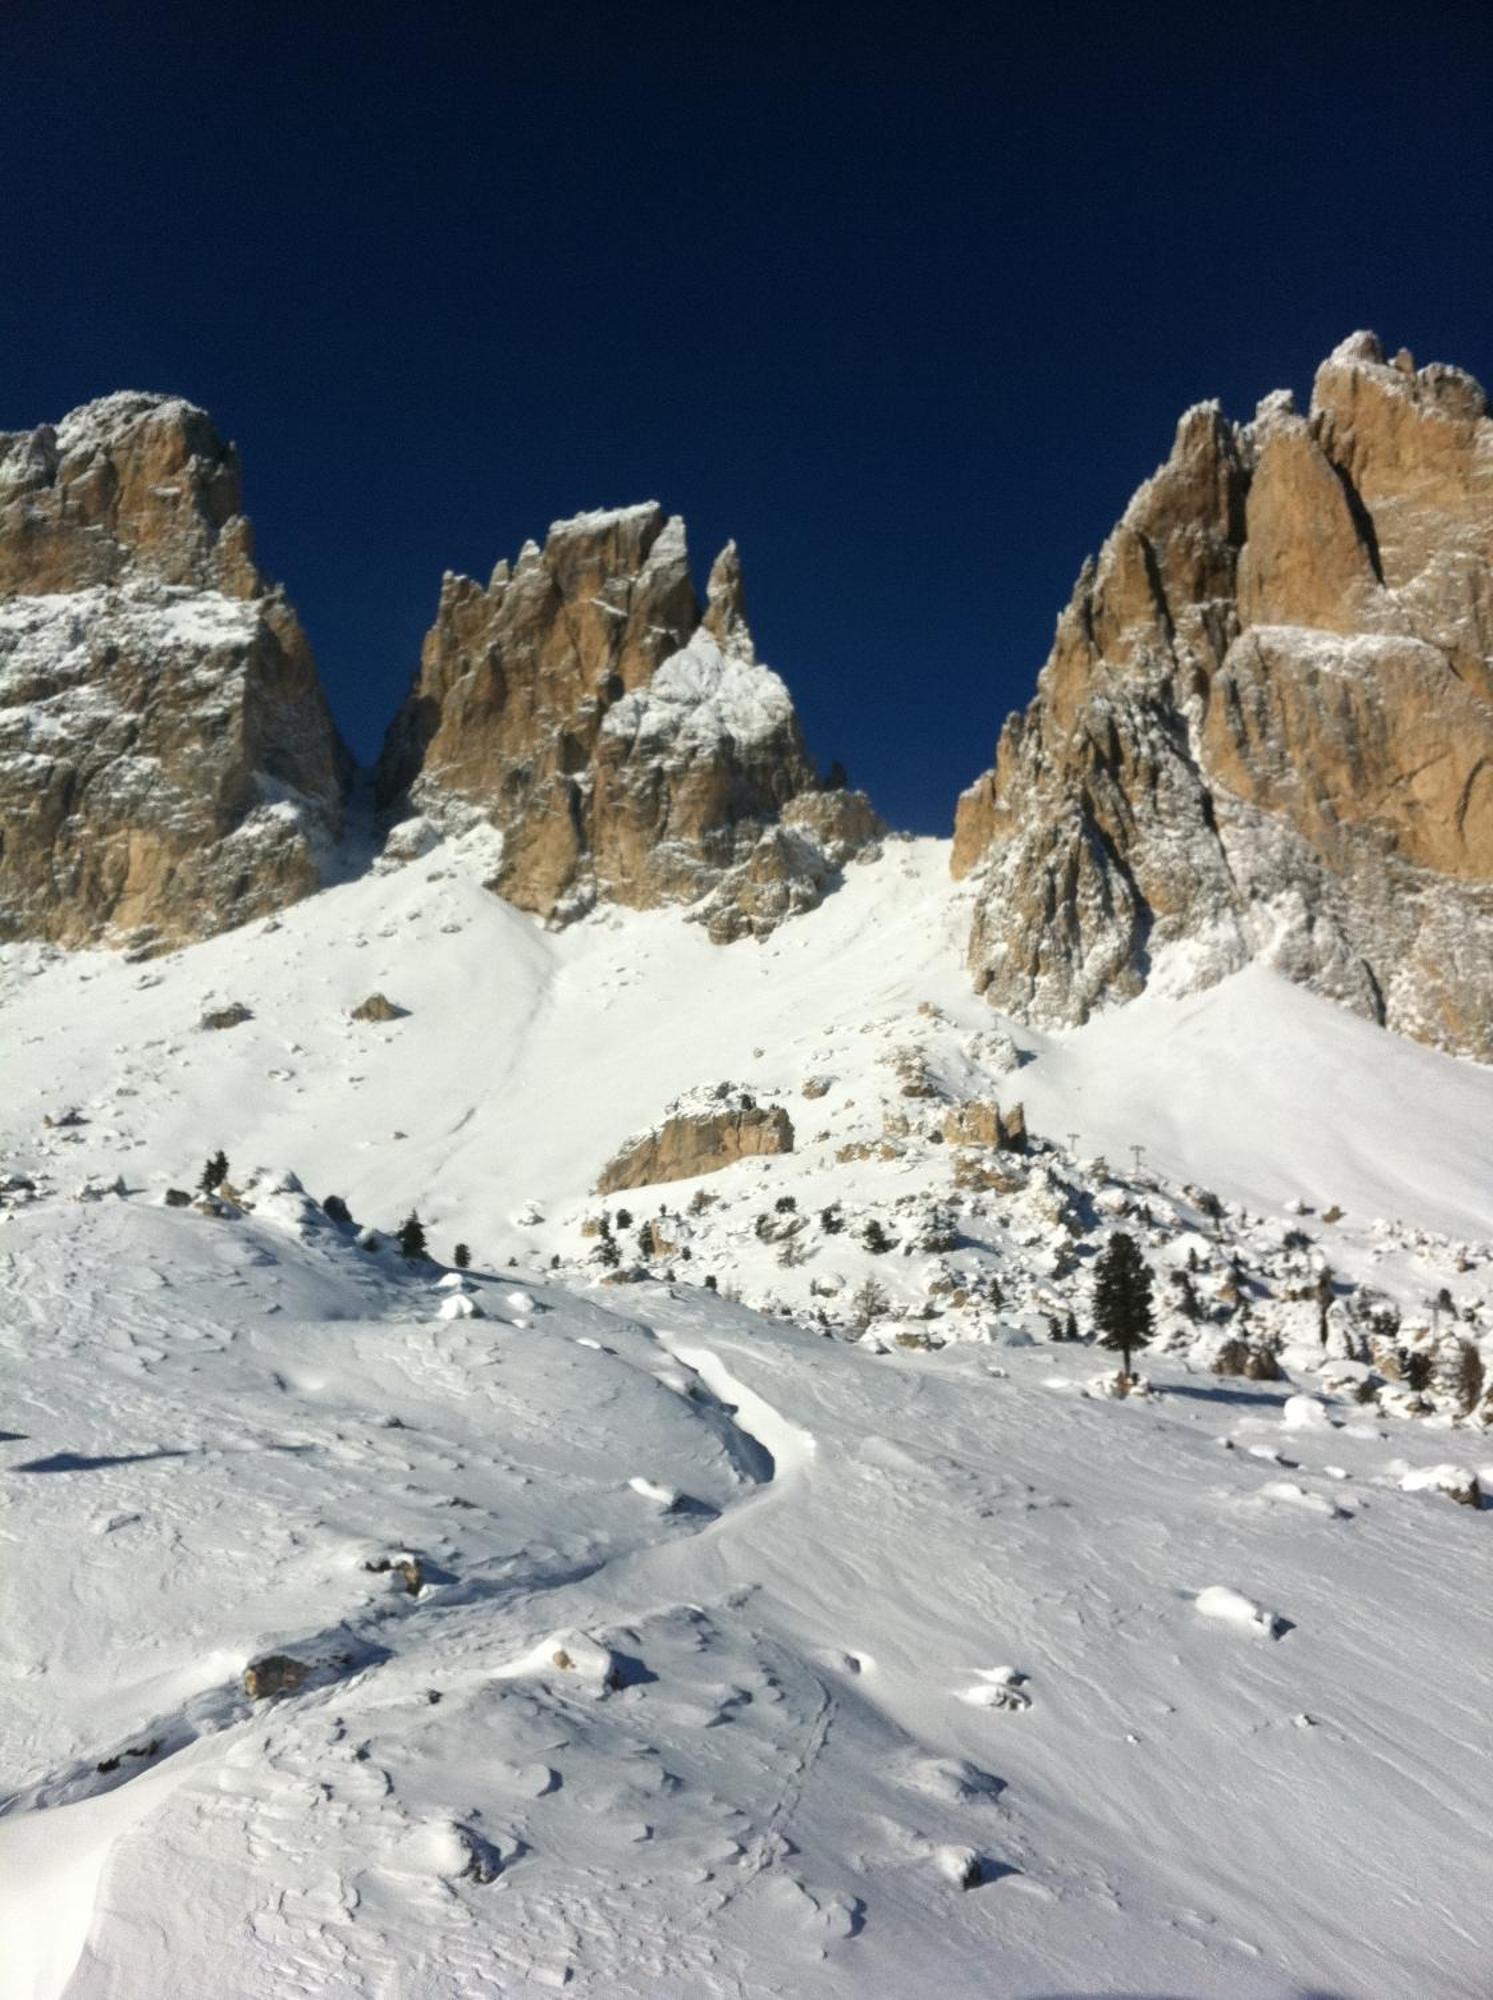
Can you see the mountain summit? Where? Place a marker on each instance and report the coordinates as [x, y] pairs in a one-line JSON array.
[[168, 764], [1265, 729], [628, 744]]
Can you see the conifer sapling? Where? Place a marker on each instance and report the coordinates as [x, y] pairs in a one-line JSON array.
[[1122, 1299]]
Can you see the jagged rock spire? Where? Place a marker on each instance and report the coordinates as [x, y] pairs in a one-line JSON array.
[[1265, 729]]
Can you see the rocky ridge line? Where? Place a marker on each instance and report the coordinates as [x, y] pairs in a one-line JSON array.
[[628, 745], [1265, 729]]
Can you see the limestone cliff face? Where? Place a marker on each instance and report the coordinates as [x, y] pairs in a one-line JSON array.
[[168, 766], [1265, 730], [629, 747]]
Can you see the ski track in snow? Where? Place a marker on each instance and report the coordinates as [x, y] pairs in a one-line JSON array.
[[734, 1645]]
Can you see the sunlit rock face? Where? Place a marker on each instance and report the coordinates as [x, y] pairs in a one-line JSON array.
[[168, 765], [1265, 729], [629, 746]]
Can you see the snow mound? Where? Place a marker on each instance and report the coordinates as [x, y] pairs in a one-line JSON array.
[[1231, 1607]]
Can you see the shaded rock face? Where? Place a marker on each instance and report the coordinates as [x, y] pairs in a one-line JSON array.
[[628, 746], [1265, 730], [700, 1134], [168, 765]]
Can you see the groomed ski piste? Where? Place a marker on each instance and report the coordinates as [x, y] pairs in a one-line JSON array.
[[654, 1641]]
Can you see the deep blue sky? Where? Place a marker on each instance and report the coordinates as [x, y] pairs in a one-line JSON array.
[[907, 299]]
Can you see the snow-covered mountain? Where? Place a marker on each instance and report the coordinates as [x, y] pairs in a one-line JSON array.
[[168, 763], [656, 1644], [1265, 730], [720, 1565]]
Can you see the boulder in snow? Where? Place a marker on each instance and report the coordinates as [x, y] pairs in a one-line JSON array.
[[273, 1674], [231, 1016], [1231, 1607], [1455, 1481], [377, 1008], [701, 1132]]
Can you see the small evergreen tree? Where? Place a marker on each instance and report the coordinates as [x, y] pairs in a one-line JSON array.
[[461, 1257], [1188, 1303], [831, 1221], [214, 1173], [624, 1218], [1122, 1298], [411, 1237], [869, 1301], [875, 1238], [1322, 1293], [1070, 1329], [1415, 1368]]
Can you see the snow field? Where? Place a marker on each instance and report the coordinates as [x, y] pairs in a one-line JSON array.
[[742, 1661]]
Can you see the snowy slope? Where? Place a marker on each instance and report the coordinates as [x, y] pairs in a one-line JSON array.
[[528, 1058], [735, 1648]]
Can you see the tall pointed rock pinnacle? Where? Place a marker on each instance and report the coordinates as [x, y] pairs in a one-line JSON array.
[[1265, 729]]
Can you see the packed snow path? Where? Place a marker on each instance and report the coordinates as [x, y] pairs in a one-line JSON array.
[[735, 1651]]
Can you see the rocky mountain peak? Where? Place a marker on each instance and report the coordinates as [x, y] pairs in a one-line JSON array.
[[628, 746], [130, 484], [725, 604], [168, 766], [1265, 729]]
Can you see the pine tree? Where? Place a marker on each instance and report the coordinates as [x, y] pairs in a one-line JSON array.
[[461, 1257], [1415, 1368], [214, 1173], [1122, 1298], [1070, 1327], [869, 1301], [875, 1238], [411, 1238], [1322, 1293]]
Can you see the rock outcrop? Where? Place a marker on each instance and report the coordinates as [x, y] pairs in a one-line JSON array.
[[1265, 730], [702, 1132], [168, 765], [981, 1122], [628, 746]]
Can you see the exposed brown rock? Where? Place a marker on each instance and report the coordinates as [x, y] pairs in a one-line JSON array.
[[377, 1008], [700, 1134], [1265, 729], [981, 1122], [629, 747], [232, 1016], [272, 1674], [168, 766]]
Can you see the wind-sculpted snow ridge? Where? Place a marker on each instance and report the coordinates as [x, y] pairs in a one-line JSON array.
[[639, 1640]]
